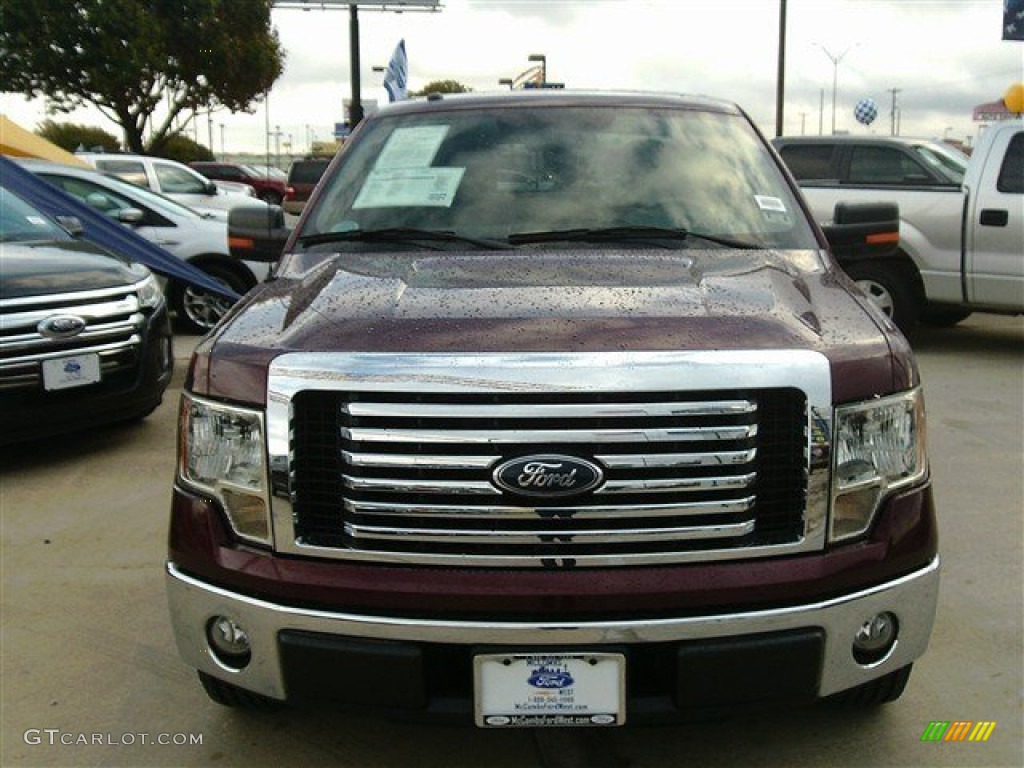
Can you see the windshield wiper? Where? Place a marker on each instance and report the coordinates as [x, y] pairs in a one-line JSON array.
[[611, 234], [400, 235]]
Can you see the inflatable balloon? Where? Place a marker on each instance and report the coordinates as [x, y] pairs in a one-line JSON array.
[[1014, 98], [866, 111]]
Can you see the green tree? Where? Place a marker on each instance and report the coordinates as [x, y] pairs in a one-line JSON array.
[[145, 64], [73, 136], [441, 86], [183, 149]]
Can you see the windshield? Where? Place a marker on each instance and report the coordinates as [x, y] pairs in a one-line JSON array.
[[19, 221], [948, 162], [510, 175]]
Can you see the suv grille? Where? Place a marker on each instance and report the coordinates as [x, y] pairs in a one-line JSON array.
[[410, 477], [113, 327]]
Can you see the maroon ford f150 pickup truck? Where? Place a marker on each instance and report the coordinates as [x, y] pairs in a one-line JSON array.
[[558, 411]]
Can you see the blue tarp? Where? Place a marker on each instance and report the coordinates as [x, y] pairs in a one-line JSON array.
[[103, 231]]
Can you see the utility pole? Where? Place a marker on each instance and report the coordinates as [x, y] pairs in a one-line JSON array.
[[894, 91], [780, 84]]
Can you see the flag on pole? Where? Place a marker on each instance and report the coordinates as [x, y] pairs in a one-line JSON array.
[[1013, 19], [396, 79]]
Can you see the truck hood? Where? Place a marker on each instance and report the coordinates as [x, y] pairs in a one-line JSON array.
[[564, 301], [47, 267]]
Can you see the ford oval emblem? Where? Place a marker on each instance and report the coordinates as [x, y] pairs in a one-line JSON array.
[[61, 326], [547, 679], [547, 475]]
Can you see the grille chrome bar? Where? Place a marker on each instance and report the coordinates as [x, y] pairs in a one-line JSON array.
[[667, 460], [458, 487], [467, 487], [498, 512], [679, 485], [612, 461], [511, 436], [498, 539], [100, 349], [549, 410]]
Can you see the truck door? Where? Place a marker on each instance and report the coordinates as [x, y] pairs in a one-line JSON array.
[[994, 237]]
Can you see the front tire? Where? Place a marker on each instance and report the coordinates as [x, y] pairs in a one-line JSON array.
[[197, 311], [891, 289]]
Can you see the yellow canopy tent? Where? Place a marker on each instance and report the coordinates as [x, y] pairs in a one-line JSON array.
[[17, 142]]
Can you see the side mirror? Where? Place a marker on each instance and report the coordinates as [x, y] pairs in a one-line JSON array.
[[130, 216], [72, 225], [861, 231], [211, 188], [257, 233]]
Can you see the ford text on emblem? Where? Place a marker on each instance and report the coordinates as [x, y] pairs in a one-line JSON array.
[[61, 326], [547, 475], [550, 678]]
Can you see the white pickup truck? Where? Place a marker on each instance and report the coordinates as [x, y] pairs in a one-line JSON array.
[[961, 219]]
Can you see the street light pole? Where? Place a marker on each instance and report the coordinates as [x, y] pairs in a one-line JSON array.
[[836, 60]]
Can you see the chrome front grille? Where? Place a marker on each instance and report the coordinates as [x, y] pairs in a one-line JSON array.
[[413, 476], [113, 330], [392, 458]]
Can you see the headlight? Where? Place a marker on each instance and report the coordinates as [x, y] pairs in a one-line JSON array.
[[879, 447], [222, 453], [150, 294]]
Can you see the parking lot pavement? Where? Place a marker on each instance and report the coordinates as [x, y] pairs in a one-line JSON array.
[[91, 677]]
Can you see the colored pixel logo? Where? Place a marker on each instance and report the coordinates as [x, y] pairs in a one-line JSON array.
[[958, 730]]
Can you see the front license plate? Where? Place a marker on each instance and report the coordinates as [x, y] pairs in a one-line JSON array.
[[74, 371], [514, 690]]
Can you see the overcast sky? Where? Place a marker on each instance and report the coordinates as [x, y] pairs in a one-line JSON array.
[[943, 56]]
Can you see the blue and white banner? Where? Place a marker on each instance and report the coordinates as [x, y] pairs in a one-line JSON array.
[[396, 80], [1013, 19]]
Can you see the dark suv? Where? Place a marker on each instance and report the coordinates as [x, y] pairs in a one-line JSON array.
[[85, 337], [268, 188], [302, 179]]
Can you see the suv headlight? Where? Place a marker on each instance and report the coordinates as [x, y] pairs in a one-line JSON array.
[[222, 452], [879, 448], [150, 294]]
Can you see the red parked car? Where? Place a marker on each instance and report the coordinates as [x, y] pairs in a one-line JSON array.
[[269, 188]]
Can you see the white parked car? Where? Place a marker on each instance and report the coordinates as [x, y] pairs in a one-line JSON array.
[[173, 179], [201, 241]]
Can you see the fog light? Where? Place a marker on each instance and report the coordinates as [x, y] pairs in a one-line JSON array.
[[875, 638], [229, 642]]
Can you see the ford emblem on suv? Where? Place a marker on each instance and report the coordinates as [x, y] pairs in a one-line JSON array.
[[547, 475], [61, 326]]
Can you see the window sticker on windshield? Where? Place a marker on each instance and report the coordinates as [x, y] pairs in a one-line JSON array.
[[766, 203], [402, 187], [411, 147], [36, 221]]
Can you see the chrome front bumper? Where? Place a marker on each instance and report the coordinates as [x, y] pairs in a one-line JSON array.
[[912, 598]]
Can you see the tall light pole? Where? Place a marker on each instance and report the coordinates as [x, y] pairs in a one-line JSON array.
[[894, 91], [780, 83], [836, 60]]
